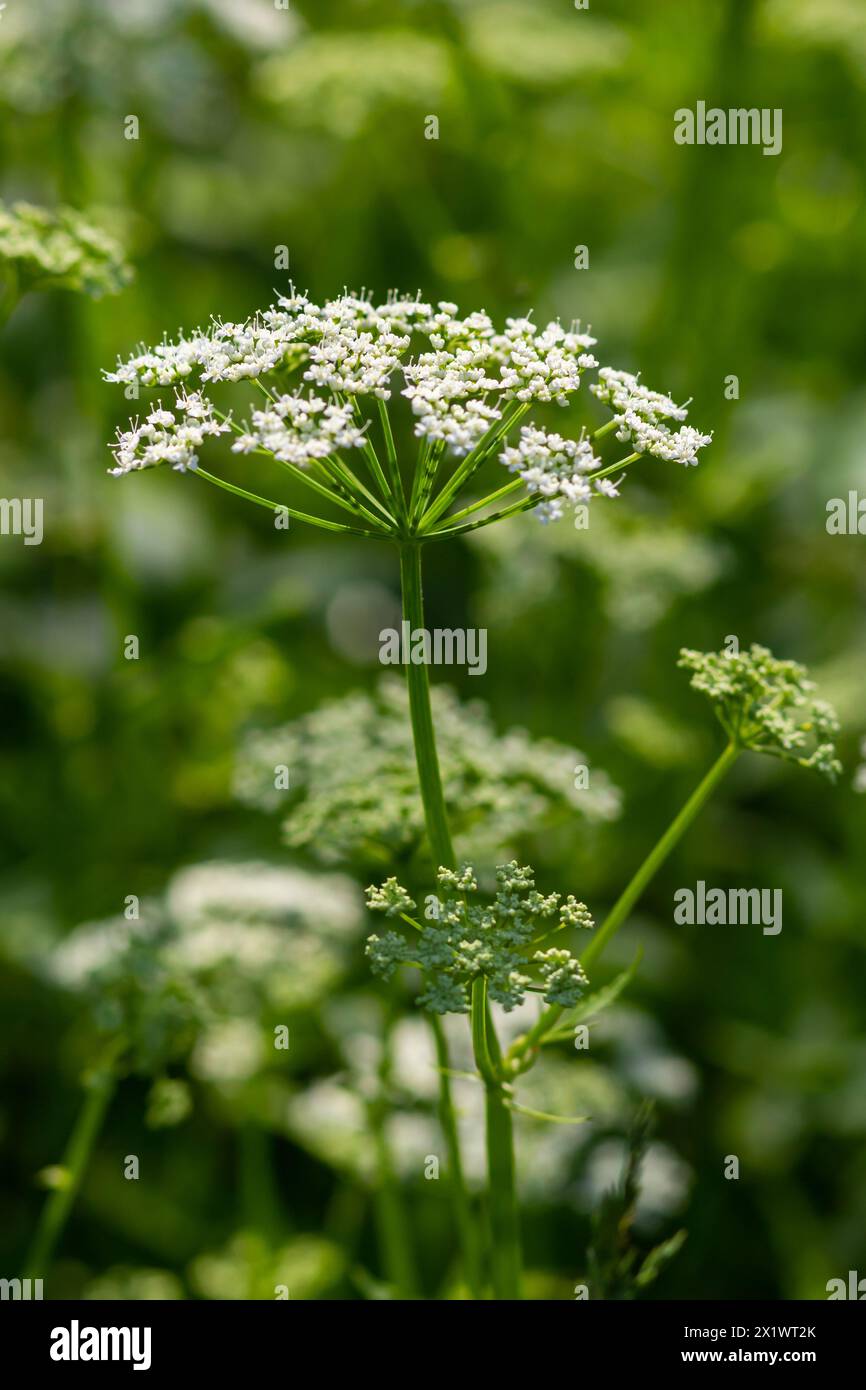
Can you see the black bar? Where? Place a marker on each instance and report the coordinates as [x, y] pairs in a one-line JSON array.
[[240, 1338]]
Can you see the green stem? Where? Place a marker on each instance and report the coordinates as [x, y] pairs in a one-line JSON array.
[[503, 1199], [505, 491], [370, 454], [100, 1086], [426, 469], [657, 856], [604, 429], [442, 850], [278, 506], [614, 467], [629, 896], [460, 1198], [391, 460], [526, 504], [347, 490], [502, 1190], [339, 500], [418, 681], [473, 460], [481, 1033], [391, 1221], [353, 483], [342, 492]]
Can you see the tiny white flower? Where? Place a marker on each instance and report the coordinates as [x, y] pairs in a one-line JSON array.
[[641, 415], [166, 436], [555, 468]]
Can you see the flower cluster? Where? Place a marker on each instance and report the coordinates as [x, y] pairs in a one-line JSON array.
[[354, 791], [353, 360], [354, 347], [297, 429], [167, 436], [338, 81], [767, 705], [557, 469], [641, 418], [61, 248], [467, 383], [225, 352], [462, 940], [197, 967]]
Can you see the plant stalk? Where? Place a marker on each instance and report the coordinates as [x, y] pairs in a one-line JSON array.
[[504, 1223], [418, 682], [502, 1193], [390, 1213], [278, 506], [467, 1234], [633, 890], [657, 856], [442, 849], [100, 1086]]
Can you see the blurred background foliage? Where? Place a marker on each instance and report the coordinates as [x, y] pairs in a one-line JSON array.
[[303, 127]]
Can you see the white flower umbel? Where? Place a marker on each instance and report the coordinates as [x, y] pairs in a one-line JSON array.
[[641, 418], [298, 429], [353, 363], [168, 436], [328, 373], [556, 469], [354, 789]]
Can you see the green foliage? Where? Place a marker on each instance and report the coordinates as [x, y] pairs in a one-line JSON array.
[[341, 81], [168, 1103], [618, 1268], [60, 250], [307, 1266]]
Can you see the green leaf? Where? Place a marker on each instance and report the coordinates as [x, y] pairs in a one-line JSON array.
[[658, 1258], [593, 1004], [552, 1119]]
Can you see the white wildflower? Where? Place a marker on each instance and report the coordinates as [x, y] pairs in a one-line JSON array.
[[458, 425], [299, 429], [466, 381], [243, 893], [353, 363], [167, 436], [227, 942], [556, 469], [228, 1050], [543, 366], [354, 788], [640, 415]]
